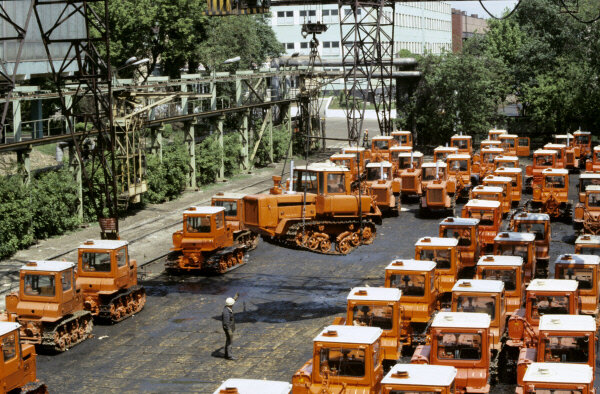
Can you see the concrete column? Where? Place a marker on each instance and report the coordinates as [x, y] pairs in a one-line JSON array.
[[156, 142], [36, 115], [75, 167], [220, 121], [184, 99], [213, 92], [190, 143], [16, 107], [270, 114], [245, 165], [24, 164], [69, 105]]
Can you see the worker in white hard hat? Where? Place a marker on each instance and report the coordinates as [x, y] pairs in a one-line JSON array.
[[229, 325]]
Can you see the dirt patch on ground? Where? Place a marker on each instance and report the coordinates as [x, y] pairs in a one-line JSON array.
[[8, 161]]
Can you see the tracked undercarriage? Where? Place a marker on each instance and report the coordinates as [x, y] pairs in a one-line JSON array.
[[116, 307]]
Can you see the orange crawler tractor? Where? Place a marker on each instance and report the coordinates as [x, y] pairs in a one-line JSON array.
[[552, 195], [330, 215], [558, 378], [415, 378], [206, 243], [234, 217], [17, 363], [467, 233], [346, 359], [108, 279], [49, 306], [586, 218]]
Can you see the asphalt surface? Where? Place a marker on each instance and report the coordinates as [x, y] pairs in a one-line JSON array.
[[286, 297]]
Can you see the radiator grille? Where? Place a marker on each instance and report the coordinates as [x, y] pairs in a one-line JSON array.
[[408, 182], [435, 195]]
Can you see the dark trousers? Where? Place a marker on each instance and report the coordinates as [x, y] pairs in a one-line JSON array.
[[228, 343]]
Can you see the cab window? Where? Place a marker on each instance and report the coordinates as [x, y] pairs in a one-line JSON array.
[[459, 165], [567, 349], [98, 262], [373, 316], [65, 279], [543, 160], [335, 183], [230, 207], [39, 285], [440, 256], [583, 275], [594, 200], [539, 229], [509, 277], [9, 347], [555, 182], [459, 346], [198, 224], [477, 304], [340, 361], [121, 257], [410, 284], [523, 142], [462, 235], [219, 219], [308, 180], [549, 305]]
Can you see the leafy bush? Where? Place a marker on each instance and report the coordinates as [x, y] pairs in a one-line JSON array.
[[167, 180], [54, 204], [15, 216]]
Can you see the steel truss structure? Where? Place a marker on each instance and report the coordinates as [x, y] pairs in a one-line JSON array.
[[367, 33]]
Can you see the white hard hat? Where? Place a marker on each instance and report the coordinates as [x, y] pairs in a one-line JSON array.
[[229, 301]]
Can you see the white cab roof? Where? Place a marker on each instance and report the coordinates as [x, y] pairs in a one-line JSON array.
[[555, 146], [479, 285], [379, 164], [382, 138], [420, 375], [555, 171], [401, 148], [497, 131], [494, 178], [597, 147], [458, 136], [374, 294], [446, 149], [6, 327], [319, 167], [532, 216], [502, 261], [411, 265], [588, 239], [492, 150], [203, 210], [482, 204], [436, 241], [552, 285], [559, 373], [508, 135], [544, 152], [578, 259], [52, 266], [590, 175], [506, 158], [460, 221], [255, 386], [562, 136], [349, 334], [401, 132], [431, 164], [415, 154], [489, 189], [461, 320], [567, 323], [508, 170], [592, 188], [353, 149], [343, 156], [511, 236], [229, 195], [491, 142], [458, 157], [579, 132], [105, 243]]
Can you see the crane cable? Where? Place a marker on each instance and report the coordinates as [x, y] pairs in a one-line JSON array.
[[574, 16], [503, 17]]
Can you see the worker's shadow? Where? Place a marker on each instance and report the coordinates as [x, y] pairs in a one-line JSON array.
[[219, 353], [282, 312]]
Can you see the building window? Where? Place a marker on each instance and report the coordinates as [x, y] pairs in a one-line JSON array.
[[308, 16], [330, 16], [285, 17], [331, 47], [289, 46]]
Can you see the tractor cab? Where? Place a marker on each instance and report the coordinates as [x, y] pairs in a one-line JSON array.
[[489, 144], [403, 137], [382, 170], [459, 172], [506, 184], [588, 244], [572, 152], [515, 174], [554, 378], [482, 296], [397, 150], [345, 358], [409, 168], [464, 143], [233, 203], [509, 143], [587, 179], [415, 379], [487, 160], [416, 280], [433, 171], [585, 269], [562, 340], [347, 160], [206, 223], [482, 192], [17, 362], [522, 245], [509, 270], [377, 307], [242, 386], [565, 139], [444, 252], [561, 150], [383, 187], [437, 189], [361, 154], [460, 340], [322, 179], [523, 147], [583, 140], [552, 195], [506, 161], [495, 134], [542, 297], [586, 217], [538, 224], [542, 159], [593, 163], [441, 153], [380, 147], [489, 214], [466, 231]]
